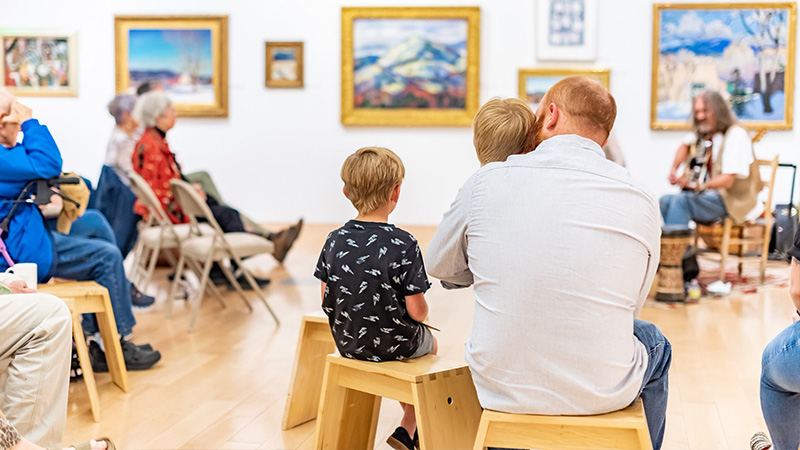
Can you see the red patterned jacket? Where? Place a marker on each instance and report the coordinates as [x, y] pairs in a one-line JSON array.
[[153, 160]]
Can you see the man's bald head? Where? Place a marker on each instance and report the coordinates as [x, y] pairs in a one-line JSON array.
[[583, 106]]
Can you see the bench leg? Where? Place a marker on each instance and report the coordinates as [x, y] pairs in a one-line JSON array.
[[480, 438], [347, 418], [302, 403], [86, 366], [447, 410], [108, 331]]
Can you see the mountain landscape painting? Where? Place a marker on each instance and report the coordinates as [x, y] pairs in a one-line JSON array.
[[410, 63], [746, 54]]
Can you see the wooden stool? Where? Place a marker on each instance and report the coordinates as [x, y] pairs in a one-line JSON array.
[[314, 344], [84, 297], [624, 429], [441, 390], [674, 240]]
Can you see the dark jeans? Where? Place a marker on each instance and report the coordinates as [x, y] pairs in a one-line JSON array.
[[655, 385], [780, 388]]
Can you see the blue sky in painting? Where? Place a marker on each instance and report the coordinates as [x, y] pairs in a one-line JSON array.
[[283, 54], [150, 50], [540, 84], [715, 29], [375, 36]]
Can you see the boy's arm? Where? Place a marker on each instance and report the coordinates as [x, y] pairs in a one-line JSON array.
[[417, 307], [447, 252], [322, 290]]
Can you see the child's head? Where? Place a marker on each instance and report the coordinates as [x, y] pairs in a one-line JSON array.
[[503, 127], [370, 176]]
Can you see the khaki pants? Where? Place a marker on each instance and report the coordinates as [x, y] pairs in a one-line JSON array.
[[35, 352]]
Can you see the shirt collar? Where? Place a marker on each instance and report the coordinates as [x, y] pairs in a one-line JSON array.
[[569, 140]]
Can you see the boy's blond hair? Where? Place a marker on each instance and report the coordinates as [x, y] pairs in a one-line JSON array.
[[370, 174], [503, 127]]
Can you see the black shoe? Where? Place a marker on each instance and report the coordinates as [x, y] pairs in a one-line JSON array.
[[98, 357], [400, 440], [139, 299], [136, 357], [262, 282]]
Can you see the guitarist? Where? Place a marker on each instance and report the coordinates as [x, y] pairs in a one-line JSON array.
[[728, 184]]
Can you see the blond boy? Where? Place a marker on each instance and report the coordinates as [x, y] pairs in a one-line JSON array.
[[373, 276], [503, 127]]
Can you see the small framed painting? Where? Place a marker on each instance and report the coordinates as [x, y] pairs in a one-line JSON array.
[[744, 51], [534, 83], [566, 30], [410, 66], [39, 63], [284, 64], [187, 56]]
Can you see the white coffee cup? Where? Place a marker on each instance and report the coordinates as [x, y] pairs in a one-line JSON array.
[[27, 272]]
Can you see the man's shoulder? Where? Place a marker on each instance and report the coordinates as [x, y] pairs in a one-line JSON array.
[[737, 132]]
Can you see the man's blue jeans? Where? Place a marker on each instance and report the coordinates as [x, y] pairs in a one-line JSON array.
[[704, 207], [655, 385], [93, 224], [96, 259], [780, 388]]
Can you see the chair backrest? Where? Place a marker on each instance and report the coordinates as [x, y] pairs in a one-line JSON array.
[[149, 199], [770, 184], [192, 204]]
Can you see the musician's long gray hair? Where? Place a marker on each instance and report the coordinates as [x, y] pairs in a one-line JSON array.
[[715, 103]]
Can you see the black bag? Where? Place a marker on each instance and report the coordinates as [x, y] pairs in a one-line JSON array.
[[691, 269], [783, 231]]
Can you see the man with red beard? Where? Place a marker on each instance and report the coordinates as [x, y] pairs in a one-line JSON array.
[[562, 246]]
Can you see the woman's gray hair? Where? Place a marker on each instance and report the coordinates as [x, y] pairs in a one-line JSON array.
[[151, 106], [722, 111], [122, 103]]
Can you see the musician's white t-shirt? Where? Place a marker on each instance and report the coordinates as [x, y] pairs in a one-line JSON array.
[[738, 153]]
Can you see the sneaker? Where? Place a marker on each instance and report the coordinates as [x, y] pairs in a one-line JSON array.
[[137, 357], [760, 441], [400, 440], [140, 300]]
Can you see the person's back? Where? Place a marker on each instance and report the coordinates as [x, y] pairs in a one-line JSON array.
[[582, 233]]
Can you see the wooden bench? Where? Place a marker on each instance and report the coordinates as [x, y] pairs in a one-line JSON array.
[[441, 390], [624, 429], [84, 297], [313, 345]]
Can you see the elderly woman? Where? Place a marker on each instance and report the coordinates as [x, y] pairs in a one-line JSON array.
[[155, 162], [123, 137]]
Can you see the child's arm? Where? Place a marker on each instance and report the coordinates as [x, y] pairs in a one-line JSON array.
[[417, 307], [322, 291]]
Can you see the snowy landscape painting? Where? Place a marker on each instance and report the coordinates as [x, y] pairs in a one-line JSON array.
[[746, 54], [407, 64], [534, 83], [186, 56]]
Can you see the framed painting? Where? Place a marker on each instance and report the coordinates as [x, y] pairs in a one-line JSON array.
[[534, 83], [39, 63], [744, 51], [410, 66], [566, 30], [284, 64], [187, 56]]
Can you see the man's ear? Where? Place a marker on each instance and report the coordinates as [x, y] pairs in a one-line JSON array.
[[554, 116]]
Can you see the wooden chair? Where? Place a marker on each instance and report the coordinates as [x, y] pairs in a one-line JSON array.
[[441, 390], [201, 252], [315, 342], [88, 297], [737, 236], [625, 429]]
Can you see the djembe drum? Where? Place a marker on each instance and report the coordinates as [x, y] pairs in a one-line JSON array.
[[674, 241]]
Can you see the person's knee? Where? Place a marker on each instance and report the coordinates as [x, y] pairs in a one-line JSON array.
[[56, 315], [108, 253]]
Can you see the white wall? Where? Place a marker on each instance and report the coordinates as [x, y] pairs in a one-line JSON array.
[[277, 156]]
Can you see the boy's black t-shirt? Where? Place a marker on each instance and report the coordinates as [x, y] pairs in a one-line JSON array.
[[369, 268]]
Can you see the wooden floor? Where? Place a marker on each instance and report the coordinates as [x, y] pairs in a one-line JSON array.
[[224, 386]]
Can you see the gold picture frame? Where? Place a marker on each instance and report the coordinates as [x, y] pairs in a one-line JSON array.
[[437, 100], [283, 64], [551, 75], [193, 51], [47, 76], [737, 76]]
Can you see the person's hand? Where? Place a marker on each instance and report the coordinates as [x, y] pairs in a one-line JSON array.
[[673, 177], [683, 183], [22, 112], [199, 189], [19, 287]]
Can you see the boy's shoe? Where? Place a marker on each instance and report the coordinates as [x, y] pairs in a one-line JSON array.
[[400, 440], [136, 357], [140, 300], [760, 441]]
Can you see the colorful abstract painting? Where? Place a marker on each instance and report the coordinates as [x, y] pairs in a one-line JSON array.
[[186, 56], [412, 64], [39, 64], [744, 53]]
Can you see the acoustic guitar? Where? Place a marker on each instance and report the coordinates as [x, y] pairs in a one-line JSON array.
[[700, 153]]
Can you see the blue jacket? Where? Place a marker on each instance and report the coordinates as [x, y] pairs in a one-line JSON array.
[[115, 200], [36, 157]]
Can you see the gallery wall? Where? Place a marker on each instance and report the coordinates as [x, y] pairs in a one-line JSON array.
[[278, 153]]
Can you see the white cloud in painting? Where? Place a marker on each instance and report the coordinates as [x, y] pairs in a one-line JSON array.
[[692, 26]]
